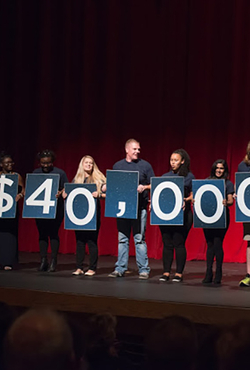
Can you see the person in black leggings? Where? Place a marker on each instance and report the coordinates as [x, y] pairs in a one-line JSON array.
[[174, 237], [48, 228], [215, 237], [88, 173]]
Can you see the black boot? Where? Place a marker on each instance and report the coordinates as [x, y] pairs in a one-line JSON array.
[[52, 267], [219, 254], [210, 260], [218, 275], [44, 264], [208, 277]]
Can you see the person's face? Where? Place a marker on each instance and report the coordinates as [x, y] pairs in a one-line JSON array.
[[132, 151], [219, 170], [176, 161], [46, 164], [7, 164], [88, 165]]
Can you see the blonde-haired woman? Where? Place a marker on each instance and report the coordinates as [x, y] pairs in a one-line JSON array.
[[88, 173]]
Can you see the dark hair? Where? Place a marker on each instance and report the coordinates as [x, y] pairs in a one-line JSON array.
[[46, 153], [185, 167], [213, 169], [172, 343], [101, 336], [247, 156], [232, 346], [4, 155]]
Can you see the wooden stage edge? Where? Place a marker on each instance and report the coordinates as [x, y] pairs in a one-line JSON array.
[[129, 308]]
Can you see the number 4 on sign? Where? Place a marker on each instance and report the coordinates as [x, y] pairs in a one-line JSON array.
[[40, 195], [46, 203]]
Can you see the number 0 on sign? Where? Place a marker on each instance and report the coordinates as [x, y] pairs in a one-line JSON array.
[[209, 211], [80, 209], [167, 200]]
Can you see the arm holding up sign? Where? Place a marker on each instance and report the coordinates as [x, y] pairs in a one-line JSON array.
[[21, 188]]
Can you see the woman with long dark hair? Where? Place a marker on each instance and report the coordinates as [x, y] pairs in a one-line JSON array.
[[174, 237], [215, 237]]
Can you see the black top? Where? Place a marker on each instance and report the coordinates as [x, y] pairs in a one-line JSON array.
[[229, 187], [187, 181], [55, 171], [243, 167]]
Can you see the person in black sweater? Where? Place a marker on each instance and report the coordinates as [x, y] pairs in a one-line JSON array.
[[215, 237], [48, 228], [174, 237]]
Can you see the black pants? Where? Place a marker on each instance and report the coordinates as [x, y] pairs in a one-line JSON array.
[[214, 239], [48, 230], [174, 238], [82, 238]]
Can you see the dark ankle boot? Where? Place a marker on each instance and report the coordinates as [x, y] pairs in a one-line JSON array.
[[44, 264], [208, 277], [52, 267], [218, 275]]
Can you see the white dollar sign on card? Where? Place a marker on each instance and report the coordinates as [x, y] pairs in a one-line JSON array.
[[3, 195]]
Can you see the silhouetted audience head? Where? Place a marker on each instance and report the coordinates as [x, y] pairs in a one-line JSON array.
[[233, 346], [172, 344], [39, 339], [77, 328], [100, 345], [7, 316], [207, 358]]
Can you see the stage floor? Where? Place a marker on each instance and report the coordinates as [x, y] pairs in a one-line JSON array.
[[128, 296]]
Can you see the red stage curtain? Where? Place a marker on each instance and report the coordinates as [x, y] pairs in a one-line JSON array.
[[81, 77]]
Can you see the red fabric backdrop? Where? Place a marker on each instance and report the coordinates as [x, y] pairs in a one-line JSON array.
[[81, 77]]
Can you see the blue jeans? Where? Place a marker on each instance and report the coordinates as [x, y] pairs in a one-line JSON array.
[[138, 227]]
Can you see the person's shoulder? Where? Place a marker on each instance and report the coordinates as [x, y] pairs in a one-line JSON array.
[[120, 161], [144, 163], [37, 170], [58, 170], [169, 173], [119, 164], [191, 175], [243, 167]]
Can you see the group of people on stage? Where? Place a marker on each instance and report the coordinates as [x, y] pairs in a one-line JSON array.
[[173, 237]]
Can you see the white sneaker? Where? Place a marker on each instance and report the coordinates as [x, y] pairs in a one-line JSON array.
[[78, 272]]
